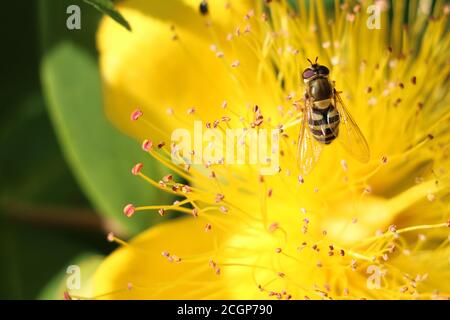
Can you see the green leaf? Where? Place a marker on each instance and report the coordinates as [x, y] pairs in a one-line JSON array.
[[44, 180], [31, 254], [55, 288], [100, 156], [107, 7]]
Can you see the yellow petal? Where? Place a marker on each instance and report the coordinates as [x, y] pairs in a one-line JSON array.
[[148, 69], [151, 275]]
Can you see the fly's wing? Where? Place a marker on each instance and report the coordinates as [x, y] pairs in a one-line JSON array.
[[308, 149], [350, 136]]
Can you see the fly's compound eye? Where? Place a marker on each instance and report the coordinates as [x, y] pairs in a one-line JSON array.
[[308, 73], [323, 70]]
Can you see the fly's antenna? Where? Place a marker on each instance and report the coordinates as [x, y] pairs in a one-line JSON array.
[[315, 61]]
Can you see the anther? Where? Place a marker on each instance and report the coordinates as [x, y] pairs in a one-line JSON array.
[[129, 210], [278, 250], [208, 227], [392, 228], [185, 189], [264, 17], [110, 237], [136, 114], [203, 8], [167, 178], [137, 169], [344, 165], [161, 212], [195, 212], [147, 145], [273, 227], [223, 209], [219, 197], [235, 64], [447, 9]]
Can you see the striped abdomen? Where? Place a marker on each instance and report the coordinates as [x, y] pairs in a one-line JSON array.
[[324, 123]]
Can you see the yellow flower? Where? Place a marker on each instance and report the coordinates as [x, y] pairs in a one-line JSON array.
[[377, 230]]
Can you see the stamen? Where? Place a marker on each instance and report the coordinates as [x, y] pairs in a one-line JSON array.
[[136, 114], [147, 145], [137, 169], [129, 210]]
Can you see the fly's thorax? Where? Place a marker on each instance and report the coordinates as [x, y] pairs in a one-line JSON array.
[[320, 89]]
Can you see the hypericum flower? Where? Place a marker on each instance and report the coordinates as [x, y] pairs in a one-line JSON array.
[[347, 230]]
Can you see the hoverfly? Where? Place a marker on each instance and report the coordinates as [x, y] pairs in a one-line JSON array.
[[325, 117]]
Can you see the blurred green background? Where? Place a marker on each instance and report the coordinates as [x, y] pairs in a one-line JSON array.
[[64, 170]]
